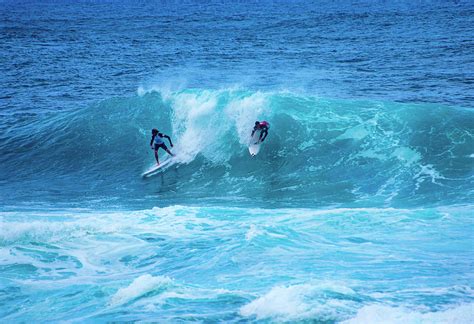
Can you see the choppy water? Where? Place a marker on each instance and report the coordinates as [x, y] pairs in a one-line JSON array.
[[358, 208]]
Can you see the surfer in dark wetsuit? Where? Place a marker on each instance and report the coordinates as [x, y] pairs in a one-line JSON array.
[[157, 139], [263, 128]]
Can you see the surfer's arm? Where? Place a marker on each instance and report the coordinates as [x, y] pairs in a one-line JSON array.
[[253, 131], [169, 139], [151, 142]]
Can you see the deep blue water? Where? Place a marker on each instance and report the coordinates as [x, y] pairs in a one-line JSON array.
[[358, 207]]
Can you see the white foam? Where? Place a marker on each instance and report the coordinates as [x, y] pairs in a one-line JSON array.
[[252, 232], [372, 154], [244, 112], [284, 302], [428, 172], [11, 232], [357, 133], [139, 287], [207, 122], [169, 221], [383, 314], [195, 123], [407, 155], [287, 303]]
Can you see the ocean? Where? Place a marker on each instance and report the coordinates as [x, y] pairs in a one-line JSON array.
[[358, 208]]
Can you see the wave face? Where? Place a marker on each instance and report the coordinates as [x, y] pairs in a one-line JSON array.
[[318, 152]]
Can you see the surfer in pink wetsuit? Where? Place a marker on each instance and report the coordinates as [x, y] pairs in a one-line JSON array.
[[157, 139], [263, 127]]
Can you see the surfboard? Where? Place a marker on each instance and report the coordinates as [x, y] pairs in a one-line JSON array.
[[254, 146], [157, 168]]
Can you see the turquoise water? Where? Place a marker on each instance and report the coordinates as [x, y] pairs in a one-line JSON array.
[[357, 209]]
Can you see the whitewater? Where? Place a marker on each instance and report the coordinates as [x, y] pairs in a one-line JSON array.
[[358, 208]]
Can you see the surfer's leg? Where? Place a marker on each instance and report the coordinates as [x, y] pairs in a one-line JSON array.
[[164, 147], [156, 157]]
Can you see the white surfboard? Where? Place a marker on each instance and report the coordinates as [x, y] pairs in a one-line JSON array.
[[254, 146], [157, 168]]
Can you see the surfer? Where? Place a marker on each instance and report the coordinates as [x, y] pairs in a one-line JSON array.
[[263, 128], [157, 138]]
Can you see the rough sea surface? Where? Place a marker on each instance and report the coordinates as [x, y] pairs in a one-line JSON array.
[[358, 208]]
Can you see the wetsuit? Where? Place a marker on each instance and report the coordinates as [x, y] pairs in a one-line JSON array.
[[159, 142]]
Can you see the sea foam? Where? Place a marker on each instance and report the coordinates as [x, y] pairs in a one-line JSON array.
[[139, 287]]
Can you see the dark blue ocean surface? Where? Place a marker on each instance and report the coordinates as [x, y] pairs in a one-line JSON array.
[[59, 55], [358, 207]]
